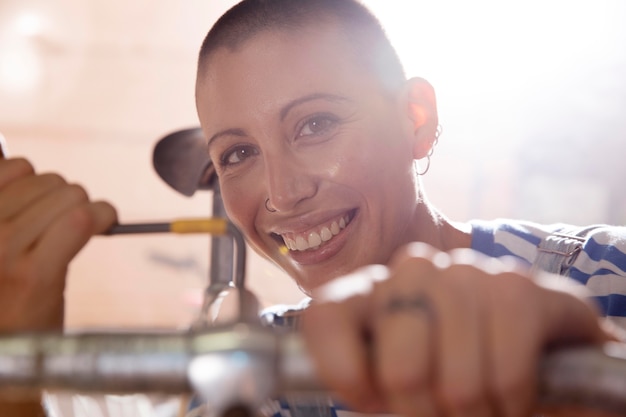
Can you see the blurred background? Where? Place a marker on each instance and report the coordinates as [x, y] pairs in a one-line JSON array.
[[532, 99]]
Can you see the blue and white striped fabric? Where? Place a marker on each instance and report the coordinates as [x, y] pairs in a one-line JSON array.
[[600, 265]]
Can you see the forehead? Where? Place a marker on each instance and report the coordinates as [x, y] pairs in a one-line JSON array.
[[275, 66]]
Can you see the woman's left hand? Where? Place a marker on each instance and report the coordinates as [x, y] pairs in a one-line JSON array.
[[454, 334]]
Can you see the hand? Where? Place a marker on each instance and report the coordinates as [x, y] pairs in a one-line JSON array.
[[452, 334], [44, 222]]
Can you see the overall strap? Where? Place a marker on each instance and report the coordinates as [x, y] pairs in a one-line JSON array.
[[557, 251]]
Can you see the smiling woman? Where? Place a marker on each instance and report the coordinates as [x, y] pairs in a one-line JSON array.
[[353, 180], [290, 159]]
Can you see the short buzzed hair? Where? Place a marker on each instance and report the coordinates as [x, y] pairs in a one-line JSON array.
[[361, 28]]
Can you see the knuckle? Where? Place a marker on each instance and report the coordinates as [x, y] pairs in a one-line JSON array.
[[76, 193], [462, 274], [52, 179], [80, 219], [104, 215], [415, 267], [414, 250], [23, 166], [109, 210], [514, 287]]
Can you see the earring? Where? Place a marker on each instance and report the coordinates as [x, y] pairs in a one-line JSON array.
[[432, 149], [427, 166], [267, 206]]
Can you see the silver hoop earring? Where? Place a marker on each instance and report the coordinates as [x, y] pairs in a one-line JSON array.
[[427, 165], [432, 149], [267, 206]]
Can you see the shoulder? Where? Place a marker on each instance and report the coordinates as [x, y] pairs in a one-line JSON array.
[[504, 237]]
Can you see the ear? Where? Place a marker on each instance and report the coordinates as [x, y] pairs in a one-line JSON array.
[[421, 107]]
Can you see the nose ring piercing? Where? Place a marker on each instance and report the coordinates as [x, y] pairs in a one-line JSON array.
[[267, 206]]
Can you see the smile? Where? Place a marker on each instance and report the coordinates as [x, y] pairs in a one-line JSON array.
[[315, 238]]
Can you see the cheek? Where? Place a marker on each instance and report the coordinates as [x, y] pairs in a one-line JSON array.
[[240, 206]]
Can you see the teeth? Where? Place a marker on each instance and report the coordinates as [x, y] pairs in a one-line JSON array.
[[326, 234], [301, 244], [315, 239]]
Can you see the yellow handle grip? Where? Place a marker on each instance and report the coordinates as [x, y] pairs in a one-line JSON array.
[[214, 226]]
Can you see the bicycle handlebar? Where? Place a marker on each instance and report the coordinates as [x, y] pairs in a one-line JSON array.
[[244, 364]]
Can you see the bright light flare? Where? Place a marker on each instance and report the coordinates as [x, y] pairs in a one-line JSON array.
[[29, 24], [20, 67]]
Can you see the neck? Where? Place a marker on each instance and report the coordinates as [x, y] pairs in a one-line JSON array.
[[435, 229]]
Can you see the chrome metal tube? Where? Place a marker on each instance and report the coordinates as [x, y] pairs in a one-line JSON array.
[[117, 363], [244, 364]]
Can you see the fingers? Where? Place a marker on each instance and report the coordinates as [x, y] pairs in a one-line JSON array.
[[44, 222], [81, 223], [462, 355], [338, 341], [46, 214], [403, 319], [17, 195], [513, 334], [571, 319], [33, 219], [12, 169], [442, 334], [428, 354]]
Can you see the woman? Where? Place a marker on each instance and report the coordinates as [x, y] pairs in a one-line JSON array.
[[315, 133]]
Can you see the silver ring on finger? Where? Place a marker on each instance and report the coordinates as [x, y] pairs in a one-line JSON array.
[[408, 304]]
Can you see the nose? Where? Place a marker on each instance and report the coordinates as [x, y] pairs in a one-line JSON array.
[[289, 182]]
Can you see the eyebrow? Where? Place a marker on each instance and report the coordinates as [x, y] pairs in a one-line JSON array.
[[227, 132], [283, 112], [311, 97]]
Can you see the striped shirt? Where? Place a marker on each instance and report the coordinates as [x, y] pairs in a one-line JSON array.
[[600, 265]]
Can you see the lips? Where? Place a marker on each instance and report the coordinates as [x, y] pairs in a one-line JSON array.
[[317, 237]]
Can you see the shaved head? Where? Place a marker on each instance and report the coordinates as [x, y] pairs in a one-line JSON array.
[[366, 37]]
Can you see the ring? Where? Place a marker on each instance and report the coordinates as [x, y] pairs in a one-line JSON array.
[[267, 206], [403, 304]]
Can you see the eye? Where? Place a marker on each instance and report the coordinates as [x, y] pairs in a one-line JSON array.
[[318, 125], [237, 154]]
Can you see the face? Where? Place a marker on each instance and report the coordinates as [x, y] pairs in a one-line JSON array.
[[293, 118]]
